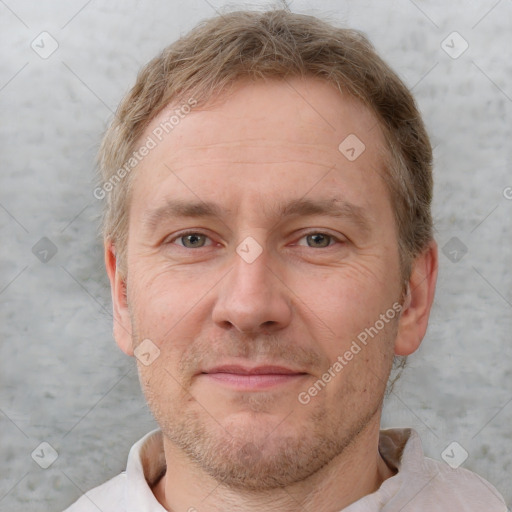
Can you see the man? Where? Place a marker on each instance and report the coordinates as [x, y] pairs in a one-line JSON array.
[[268, 240]]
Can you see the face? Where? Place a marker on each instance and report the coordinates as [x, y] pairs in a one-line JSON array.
[[258, 253]]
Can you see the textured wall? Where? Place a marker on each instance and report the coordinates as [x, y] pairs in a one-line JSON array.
[[62, 379]]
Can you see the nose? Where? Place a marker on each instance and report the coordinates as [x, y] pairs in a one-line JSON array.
[[253, 298]]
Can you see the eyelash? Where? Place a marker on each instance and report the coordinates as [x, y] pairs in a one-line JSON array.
[[186, 233]]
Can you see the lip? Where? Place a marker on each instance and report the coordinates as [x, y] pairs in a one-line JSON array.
[[255, 370], [255, 378]]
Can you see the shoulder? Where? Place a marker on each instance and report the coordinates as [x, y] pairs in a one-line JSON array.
[[107, 497], [423, 483], [130, 489], [462, 489]]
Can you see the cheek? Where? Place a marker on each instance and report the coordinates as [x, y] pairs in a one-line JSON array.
[[360, 366], [161, 388], [351, 307], [170, 310], [161, 301], [346, 299]]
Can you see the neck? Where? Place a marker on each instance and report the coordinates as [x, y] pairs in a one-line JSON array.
[[358, 471]]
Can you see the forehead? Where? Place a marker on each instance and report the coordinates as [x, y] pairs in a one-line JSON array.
[[277, 136], [307, 111]]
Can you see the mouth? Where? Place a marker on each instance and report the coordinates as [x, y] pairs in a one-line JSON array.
[[252, 378]]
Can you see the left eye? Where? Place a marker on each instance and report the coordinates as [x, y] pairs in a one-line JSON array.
[[319, 240]]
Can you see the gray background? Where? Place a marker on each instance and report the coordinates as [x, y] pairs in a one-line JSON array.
[[62, 379]]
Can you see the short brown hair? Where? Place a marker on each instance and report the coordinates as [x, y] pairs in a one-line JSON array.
[[277, 44]]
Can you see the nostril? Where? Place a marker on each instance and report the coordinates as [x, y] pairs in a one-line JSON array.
[[268, 326]]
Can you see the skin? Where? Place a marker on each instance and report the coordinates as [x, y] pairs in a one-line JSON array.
[[239, 443]]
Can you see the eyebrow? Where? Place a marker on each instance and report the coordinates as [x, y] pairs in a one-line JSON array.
[[333, 207]]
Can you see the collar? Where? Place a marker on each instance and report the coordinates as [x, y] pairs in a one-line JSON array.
[[400, 448]]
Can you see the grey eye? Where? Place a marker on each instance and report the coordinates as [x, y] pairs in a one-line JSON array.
[[318, 240], [193, 240]]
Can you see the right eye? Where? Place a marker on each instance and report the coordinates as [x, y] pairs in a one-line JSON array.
[[191, 240]]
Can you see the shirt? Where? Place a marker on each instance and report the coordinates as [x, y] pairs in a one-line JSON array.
[[421, 484]]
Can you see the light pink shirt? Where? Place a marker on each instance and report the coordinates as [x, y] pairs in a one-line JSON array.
[[421, 484]]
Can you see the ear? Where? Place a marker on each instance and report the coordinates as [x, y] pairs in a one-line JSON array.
[[418, 302], [122, 321]]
